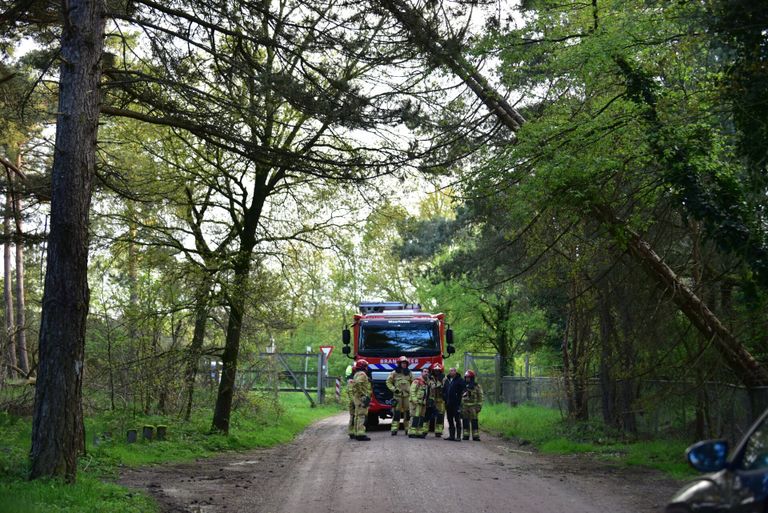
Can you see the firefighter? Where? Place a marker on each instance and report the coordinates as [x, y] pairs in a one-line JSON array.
[[399, 383], [349, 372], [436, 381], [351, 426], [472, 403], [360, 396], [419, 405], [453, 390]]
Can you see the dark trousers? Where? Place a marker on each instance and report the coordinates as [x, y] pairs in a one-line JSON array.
[[454, 420]]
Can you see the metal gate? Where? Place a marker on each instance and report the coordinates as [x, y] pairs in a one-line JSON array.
[[287, 372], [487, 368]]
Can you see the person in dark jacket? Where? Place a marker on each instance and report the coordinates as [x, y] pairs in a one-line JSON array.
[[453, 390]]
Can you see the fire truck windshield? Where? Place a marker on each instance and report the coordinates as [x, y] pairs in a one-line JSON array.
[[397, 337]]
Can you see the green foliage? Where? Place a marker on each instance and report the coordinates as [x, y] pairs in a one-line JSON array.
[[525, 422], [629, 113], [739, 29], [546, 430], [652, 110], [261, 424], [89, 495]]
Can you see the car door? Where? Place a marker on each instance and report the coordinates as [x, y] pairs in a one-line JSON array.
[[749, 484]]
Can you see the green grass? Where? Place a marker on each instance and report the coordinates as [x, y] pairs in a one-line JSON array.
[[546, 430], [525, 422], [88, 495], [261, 423]]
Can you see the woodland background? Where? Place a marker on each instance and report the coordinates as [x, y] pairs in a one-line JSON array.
[[261, 167]]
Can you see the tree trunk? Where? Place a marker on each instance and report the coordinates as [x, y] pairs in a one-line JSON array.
[[567, 382], [134, 346], [735, 354], [9, 342], [505, 351], [57, 426], [449, 54], [627, 389], [579, 362], [236, 299], [232, 345], [607, 359], [626, 356], [133, 280], [195, 348], [575, 357], [157, 385], [21, 317], [111, 365]]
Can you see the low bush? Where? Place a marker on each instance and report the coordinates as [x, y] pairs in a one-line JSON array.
[[546, 429]]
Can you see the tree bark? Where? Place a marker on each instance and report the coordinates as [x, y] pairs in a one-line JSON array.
[[607, 358], [21, 317], [567, 383], [135, 345], [449, 54], [578, 329], [237, 295], [229, 358], [236, 302], [579, 362], [9, 342], [195, 348], [736, 356], [57, 426], [503, 342]]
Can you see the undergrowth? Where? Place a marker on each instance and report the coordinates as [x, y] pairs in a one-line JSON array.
[[259, 423], [545, 429]]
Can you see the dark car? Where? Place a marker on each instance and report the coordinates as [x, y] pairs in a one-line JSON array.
[[735, 483]]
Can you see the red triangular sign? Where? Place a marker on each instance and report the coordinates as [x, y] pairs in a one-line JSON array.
[[327, 350]]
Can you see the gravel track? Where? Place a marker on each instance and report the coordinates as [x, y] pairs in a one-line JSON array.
[[322, 471]]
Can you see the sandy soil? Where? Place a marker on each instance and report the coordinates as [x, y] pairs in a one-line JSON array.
[[323, 471]]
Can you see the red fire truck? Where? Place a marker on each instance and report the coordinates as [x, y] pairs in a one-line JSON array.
[[383, 332]]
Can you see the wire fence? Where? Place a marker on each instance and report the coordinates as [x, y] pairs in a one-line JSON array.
[[661, 406]]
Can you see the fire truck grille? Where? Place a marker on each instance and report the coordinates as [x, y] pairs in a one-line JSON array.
[[381, 392]]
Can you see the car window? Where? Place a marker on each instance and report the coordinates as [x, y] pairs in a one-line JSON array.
[[755, 455]]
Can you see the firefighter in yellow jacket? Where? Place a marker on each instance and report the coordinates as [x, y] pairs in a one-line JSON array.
[[436, 381], [360, 398], [471, 404], [350, 373], [419, 399], [399, 383]]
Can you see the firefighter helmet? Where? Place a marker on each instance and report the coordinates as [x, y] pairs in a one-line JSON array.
[[361, 365], [402, 359], [469, 374], [437, 367]]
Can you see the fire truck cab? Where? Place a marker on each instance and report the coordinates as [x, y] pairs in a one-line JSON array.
[[384, 331]]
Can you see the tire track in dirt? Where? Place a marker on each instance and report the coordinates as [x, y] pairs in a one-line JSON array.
[[322, 471]]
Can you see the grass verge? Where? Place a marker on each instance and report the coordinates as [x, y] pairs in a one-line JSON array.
[[546, 430], [260, 423]]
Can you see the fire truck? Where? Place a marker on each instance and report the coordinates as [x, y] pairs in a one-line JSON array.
[[384, 331]]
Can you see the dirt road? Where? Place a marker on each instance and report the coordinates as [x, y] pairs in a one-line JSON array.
[[325, 472]]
